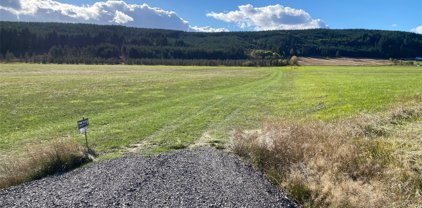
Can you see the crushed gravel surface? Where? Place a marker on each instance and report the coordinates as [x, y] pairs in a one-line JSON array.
[[202, 177]]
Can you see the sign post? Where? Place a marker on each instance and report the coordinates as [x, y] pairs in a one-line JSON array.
[[83, 128]]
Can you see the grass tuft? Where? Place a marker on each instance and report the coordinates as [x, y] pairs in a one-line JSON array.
[[360, 162], [41, 160]]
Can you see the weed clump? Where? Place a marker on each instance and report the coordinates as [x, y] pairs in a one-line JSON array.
[[40, 160], [351, 163]]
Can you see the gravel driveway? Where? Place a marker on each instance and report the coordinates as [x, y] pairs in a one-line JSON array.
[[202, 177]]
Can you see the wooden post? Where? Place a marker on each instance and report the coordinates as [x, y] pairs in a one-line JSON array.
[[86, 139]]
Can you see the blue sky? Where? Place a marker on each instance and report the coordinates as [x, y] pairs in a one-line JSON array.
[[404, 15]]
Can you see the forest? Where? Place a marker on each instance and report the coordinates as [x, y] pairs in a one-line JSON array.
[[109, 44]]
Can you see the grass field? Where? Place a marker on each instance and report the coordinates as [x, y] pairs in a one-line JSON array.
[[158, 108]]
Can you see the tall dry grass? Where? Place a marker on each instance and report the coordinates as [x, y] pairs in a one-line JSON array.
[[359, 162], [41, 160]]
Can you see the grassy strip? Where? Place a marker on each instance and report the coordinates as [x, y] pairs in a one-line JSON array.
[[41, 160], [367, 161]]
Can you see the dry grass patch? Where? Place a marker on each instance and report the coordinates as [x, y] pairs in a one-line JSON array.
[[366, 161], [306, 61], [41, 160]]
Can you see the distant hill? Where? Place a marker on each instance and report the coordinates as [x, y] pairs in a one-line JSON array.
[[84, 43]]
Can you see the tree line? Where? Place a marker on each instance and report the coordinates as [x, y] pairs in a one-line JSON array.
[[105, 44]]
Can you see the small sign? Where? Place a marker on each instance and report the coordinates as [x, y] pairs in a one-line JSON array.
[[83, 125]]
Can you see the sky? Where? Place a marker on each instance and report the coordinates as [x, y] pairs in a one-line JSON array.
[[223, 15]]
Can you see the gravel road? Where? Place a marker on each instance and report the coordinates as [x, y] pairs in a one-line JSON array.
[[202, 177]]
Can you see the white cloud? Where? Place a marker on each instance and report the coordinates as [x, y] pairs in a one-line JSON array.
[[272, 17], [417, 29], [108, 12], [208, 29], [121, 18]]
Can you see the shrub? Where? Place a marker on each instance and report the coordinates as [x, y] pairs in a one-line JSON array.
[[293, 61]]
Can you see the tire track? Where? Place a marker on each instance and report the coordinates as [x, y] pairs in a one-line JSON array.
[[228, 94]]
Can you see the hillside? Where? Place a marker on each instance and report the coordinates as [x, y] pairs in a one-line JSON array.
[[84, 43]]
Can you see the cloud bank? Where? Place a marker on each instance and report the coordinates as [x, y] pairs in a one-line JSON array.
[[110, 12], [208, 29], [272, 17], [417, 29]]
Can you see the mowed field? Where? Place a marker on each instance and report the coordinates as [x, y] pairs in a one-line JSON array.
[[157, 108]]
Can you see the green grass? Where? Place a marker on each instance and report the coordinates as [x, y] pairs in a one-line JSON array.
[[335, 92], [172, 107]]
